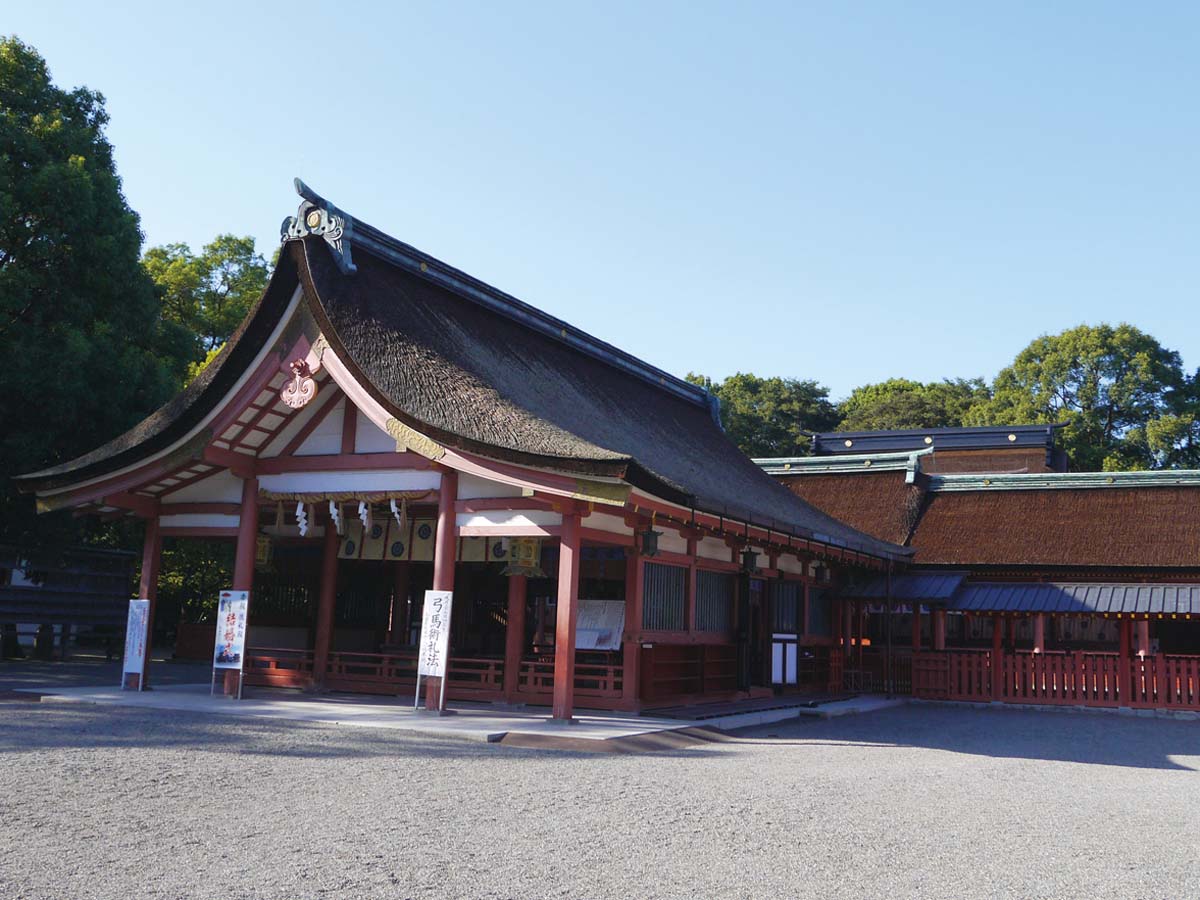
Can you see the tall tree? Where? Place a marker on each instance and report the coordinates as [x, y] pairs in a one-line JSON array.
[[209, 293], [1113, 386], [767, 416], [903, 403], [85, 351]]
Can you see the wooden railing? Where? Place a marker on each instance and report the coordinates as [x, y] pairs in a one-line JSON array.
[[591, 680], [1059, 678], [393, 673], [278, 666]]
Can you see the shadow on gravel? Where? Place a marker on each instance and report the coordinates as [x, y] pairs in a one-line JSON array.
[[86, 672], [1088, 738], [39, 727]]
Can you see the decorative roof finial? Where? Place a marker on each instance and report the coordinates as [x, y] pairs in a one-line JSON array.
[[318, 216]]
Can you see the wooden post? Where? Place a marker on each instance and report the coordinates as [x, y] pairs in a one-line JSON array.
[[148, 587], [514, 635], [916, 626], [1039, 633], [445, 542], [326, 600], [243, 558], [997, 651], [690, 607], [859, 613], [631, 647], [1125, 679], [1143, 637], [247, 537], [939, 629], [568, 614]]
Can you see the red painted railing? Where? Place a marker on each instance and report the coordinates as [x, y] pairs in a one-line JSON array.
[[1059, 678], [278, 666], [591, 680]]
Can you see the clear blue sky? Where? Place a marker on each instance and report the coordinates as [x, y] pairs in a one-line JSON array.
[[845, 192]]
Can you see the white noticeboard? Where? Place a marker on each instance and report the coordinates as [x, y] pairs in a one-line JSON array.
[[233, 610], [435, 633], [135, 642], [600, 625]]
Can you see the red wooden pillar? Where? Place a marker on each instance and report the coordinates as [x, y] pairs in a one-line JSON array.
[[247, 538], [243, 558], [1125, 666], [326, 599], [997, 651], [1143, 637], [631, 647], [514, 635], [847, 631], [1039, 633], [916, 626], [445, 543], [568, 613], [859, 608], [148, 587], [939, 629], [691, 585]]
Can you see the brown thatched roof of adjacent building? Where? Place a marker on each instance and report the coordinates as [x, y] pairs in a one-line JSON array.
[[1112, 527], [880, 503]]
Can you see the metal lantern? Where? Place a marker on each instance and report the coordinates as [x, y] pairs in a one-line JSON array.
[[749, 560], [649, 539]]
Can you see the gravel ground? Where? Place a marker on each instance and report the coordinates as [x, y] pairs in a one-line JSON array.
[[923, 802]]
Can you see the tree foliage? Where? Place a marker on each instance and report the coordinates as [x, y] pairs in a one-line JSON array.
[[207, 294], [1121, 393], [902, 403], [767, 416], [85, 348]]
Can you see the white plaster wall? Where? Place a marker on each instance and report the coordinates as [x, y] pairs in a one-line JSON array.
[[327, 394], [223, 487], [199, 520], [366, 480], [791, 564], [507, 517], [327, 437], [472, 487], [713, 548], [370, 438], [607, 522]]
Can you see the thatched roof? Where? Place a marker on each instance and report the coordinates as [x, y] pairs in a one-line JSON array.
[[880, 503], [1108, 527], [476, 370]]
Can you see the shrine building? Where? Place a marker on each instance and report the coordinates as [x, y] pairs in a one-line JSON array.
[[382, 423], [1028, 583]]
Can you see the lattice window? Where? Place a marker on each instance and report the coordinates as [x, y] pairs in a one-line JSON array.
[[714, 601], [787, 607], [664, 598]]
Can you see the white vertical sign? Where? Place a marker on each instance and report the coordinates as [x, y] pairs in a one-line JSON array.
[[232, 610], [435, 633], [135, 642]]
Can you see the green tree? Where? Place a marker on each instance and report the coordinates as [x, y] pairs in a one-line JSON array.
[[766, 416], [903, 403], [1115, 387], [86, 354], [208, 294]]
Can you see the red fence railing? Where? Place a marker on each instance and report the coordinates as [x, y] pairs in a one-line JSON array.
[[1058, 678]]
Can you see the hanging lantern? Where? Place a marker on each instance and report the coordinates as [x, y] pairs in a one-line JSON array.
[[749, 560], [649, 541], [264, 550]]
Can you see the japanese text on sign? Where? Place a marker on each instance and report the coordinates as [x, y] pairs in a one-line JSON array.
[[435, 633]]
